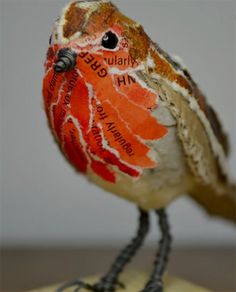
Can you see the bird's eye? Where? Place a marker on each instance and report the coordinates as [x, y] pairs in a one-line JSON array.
[[110, 40]]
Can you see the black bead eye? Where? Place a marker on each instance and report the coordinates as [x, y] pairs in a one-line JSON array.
[[110, 40]]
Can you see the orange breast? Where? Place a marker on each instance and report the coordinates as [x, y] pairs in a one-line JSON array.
[[102, 118]]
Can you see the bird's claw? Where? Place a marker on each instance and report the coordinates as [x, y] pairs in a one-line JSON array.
[[154, 287], [98, 287], [104, 286], [120, 284], [79, 285]]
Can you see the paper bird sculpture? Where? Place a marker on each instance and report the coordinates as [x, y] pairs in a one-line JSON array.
[[131, 118]]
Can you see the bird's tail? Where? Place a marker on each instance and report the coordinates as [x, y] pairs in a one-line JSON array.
[[223, 205]]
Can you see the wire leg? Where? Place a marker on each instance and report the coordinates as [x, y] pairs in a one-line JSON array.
[[110, 280], [155, 283]]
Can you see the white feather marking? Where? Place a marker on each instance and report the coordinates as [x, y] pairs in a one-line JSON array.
[[150, 62], [128, 70], [56, 103], [91, 95], [82, 141], [179, 60], [61, 23]]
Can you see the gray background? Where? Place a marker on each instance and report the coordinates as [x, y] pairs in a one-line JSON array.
[[43, 201]]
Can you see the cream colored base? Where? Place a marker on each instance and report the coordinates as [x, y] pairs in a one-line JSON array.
[[135, 281]]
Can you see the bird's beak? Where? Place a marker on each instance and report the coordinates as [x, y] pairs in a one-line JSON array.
[[66, 60]]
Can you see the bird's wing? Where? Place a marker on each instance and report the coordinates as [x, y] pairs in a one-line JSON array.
[[205, 153], [177, 66]]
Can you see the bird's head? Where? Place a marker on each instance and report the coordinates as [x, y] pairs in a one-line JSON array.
[[96, 27], [98, 108]]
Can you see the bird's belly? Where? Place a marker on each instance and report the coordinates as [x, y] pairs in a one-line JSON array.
[[159, 186]]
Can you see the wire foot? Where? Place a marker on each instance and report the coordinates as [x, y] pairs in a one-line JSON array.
[[77, 284]]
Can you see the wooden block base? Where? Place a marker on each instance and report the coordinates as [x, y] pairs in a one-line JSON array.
[[135, 281]]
